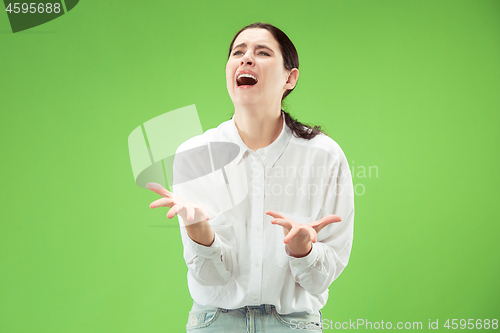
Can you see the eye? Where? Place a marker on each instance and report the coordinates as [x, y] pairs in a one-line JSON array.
[[237, 53], [264, 53]]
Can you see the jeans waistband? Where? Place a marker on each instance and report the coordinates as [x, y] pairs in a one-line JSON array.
[[264, 308]]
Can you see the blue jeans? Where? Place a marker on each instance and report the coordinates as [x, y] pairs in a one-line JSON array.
[[250, 319]]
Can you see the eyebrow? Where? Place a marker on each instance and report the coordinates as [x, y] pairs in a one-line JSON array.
[[258, 46]]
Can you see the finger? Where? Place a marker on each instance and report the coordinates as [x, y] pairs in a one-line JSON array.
[[190, 213], [275, 214], [333, 218], [204, 212], [291, 235], [163, 202], [174, 211], [321, 223], [284, 223], [313, 235], [158, 189]]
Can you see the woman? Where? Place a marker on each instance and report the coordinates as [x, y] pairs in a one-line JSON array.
[[265, 235]]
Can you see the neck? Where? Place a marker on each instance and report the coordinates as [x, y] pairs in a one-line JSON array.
[[258, 127]]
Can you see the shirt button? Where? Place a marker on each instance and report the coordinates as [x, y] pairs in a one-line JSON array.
[[254, 298], [257, 229], [256, 264]]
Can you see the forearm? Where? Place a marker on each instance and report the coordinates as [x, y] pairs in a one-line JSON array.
[[316, 271], [327, 259], [299, 248], [201, 233], [212, 263]]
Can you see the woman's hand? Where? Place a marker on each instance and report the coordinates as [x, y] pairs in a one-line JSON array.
[[190, 212], [195, 216], [298, 237]]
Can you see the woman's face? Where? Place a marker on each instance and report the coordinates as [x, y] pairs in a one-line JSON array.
[[255, 73]]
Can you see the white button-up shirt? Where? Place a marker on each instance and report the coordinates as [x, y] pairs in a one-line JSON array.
[[247, 264]]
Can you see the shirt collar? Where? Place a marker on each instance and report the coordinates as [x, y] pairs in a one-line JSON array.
[[269, 154]]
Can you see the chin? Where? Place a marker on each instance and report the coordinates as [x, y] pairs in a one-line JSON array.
[[246, 99]]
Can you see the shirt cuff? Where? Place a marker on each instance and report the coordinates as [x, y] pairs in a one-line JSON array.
[[213, 251], [301, 264]]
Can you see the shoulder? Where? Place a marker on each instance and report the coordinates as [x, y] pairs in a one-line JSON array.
[[323, 150], [321, 142]]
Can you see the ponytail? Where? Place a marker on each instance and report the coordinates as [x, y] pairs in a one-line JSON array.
[[300, 130]]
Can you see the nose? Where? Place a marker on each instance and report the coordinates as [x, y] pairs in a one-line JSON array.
[[247, 60]]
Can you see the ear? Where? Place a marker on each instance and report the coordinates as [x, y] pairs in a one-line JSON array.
[[291, 81]]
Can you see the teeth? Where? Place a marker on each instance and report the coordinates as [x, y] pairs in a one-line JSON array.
[[247, 75]]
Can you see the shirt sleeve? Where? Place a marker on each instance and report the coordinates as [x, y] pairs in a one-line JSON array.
[[330, 254], [208, 265]]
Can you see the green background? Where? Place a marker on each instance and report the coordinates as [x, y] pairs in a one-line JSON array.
[[410, 87]]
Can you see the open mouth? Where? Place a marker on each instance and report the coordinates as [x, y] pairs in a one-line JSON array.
[[246, 80]]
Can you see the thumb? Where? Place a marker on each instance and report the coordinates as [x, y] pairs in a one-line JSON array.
[[158, 189], [321, 223]]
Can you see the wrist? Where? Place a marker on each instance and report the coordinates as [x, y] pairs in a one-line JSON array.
[[201, 233], [299, 252]]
